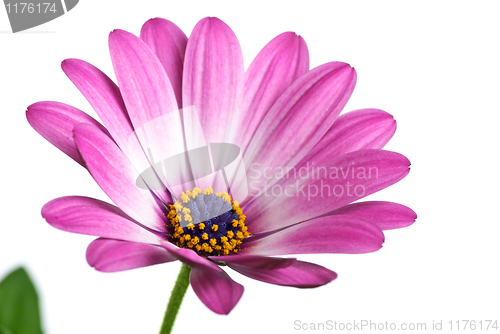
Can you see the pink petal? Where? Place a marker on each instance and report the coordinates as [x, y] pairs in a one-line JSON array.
[[336, 183], [150, 101], [386, 215], [216, 289], [331, 234], [213, 78], [103, 95], [299, 274], [284, 59], [143, 82], [108, 255], [55, 121], [189, 257], [90, 216], [168, 42], [353, 131], [117, 177], [254, 261], [300, 118]]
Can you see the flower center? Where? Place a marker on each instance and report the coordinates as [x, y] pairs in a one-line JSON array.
[[213, 224]]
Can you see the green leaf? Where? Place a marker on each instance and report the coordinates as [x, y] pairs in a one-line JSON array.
[[19, 310], [4, 330]]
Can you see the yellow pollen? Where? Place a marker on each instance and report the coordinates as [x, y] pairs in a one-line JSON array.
[[196, 192], [206, 238], [184, 198]]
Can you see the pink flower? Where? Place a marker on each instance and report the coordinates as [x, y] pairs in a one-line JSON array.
[[279, 113]]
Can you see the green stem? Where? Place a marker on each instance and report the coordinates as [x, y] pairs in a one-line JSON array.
[[178, 292]]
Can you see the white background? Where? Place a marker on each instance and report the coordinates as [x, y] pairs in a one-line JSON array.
[[433, 65]]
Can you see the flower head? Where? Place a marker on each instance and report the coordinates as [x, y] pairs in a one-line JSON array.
[[303, 163]]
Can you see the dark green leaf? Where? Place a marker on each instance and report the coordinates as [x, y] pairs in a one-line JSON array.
[[4, 330], [19, 310]]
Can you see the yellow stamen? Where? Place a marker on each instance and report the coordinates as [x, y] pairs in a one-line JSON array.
[[207, 242], [184, 198]]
